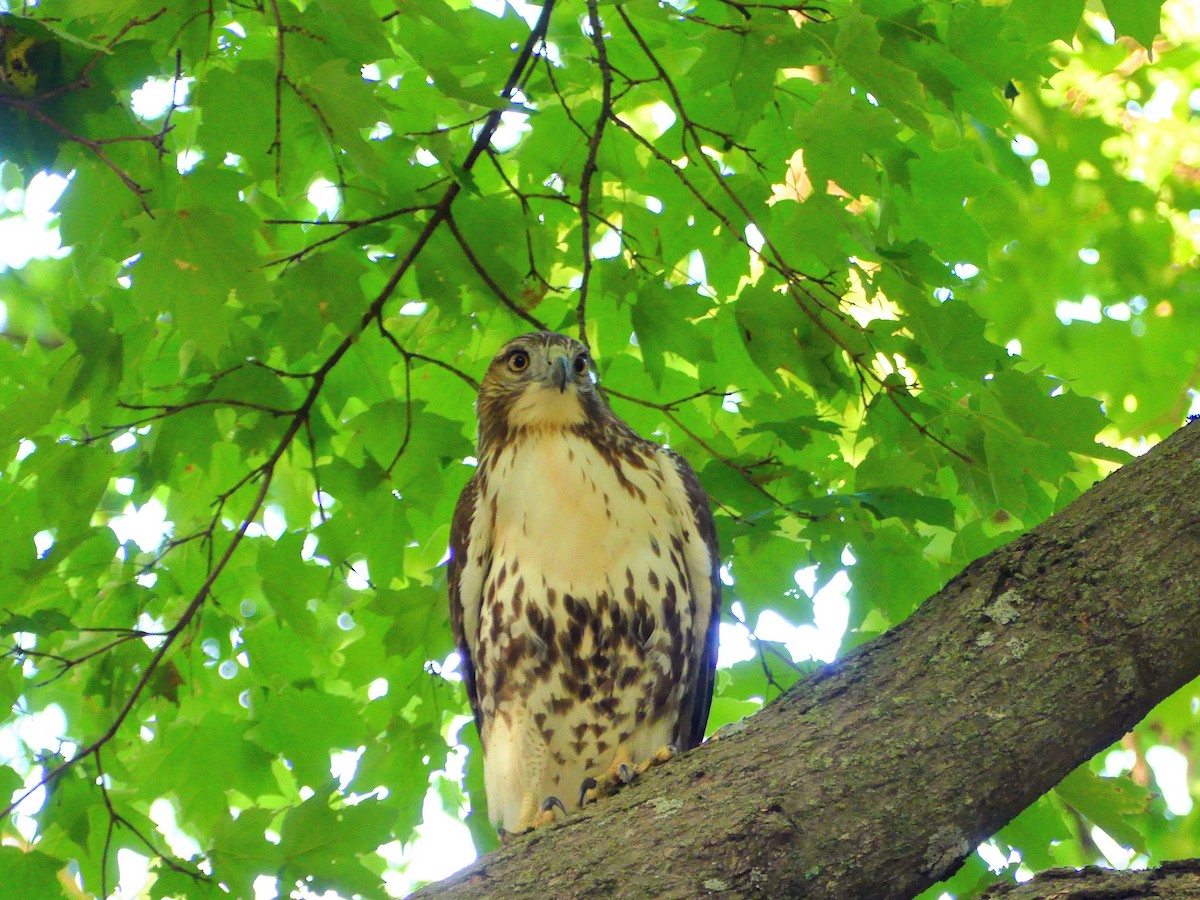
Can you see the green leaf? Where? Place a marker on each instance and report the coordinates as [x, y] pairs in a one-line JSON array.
[[1059, 417], [1034, 832], [35, 872], [839, 135], [196, 762], [1107, 802], [942, 181], [289, 583], [1137, 18], [1050, 21], [349, 28], [285, 727], [660, 317], [859, 49], [11, 685], [795, 432], [890, 575], [906, 504], [324, 845], [318, 291], [44, 621], [195, 264]]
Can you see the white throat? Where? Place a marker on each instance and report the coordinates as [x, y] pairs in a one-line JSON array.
[[543, 406]]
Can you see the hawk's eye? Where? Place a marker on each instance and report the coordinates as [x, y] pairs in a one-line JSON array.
[[581, 364], [518, 361]]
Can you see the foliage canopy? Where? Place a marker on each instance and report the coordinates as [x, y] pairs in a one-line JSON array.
[[881, 269]]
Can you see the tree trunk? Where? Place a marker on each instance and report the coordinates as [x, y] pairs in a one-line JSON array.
[[877, 776]]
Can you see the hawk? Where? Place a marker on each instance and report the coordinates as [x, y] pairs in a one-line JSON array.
[[584, 588]]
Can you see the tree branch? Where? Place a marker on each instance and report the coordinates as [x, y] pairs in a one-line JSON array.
[[596, 29], [1176, 880], [878, 775]]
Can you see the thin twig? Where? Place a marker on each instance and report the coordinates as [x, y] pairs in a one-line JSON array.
[[667, 409], [347, 228], [319, 114], [114, 819], [445, 129], [67, 664], [280, 55], [486, 276], [453, 370], [596, 27], [32, 109]]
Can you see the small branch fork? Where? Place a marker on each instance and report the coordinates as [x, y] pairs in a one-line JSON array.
[[115, 819], [345, 226], [282, 80], [66, 664], [762, 648], [298, 420], [465, 246]]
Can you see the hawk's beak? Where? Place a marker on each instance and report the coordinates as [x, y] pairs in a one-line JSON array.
[[560, 372]]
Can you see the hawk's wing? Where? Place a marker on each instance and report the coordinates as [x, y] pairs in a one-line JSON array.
[[470, 558], [704, 575]]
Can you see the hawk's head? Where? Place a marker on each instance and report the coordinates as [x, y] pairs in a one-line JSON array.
[[541, 380]]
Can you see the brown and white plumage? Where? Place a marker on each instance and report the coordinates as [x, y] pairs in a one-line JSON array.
[[584, 593]]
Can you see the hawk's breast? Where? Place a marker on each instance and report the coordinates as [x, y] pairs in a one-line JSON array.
[[574, 511]]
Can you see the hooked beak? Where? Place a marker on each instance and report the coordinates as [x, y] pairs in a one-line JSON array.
[[560, 372]]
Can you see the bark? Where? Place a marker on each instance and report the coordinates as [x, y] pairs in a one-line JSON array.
[[1171, 881], [877, 776]]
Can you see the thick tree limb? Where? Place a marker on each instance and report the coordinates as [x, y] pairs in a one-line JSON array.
[[876, 777], [1171, 881]]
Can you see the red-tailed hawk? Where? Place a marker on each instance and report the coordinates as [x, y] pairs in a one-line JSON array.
[[584, 588]]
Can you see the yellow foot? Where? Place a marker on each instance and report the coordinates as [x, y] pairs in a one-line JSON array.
[[620, 773], [660, 756], [545, 816]]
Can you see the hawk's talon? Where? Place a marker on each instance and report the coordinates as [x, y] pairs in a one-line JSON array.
[[546, 816], [621, 773], [587, 786]]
